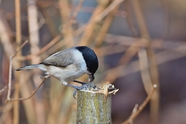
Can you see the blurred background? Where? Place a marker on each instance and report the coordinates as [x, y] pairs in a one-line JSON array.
[[138, 43]]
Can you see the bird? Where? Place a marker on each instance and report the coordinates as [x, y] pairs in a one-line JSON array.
[[68, 65]]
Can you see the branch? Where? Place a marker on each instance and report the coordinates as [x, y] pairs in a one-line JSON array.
[[137, 110], [22, 99]]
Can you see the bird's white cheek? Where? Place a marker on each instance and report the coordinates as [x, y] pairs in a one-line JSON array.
[[79, 60]]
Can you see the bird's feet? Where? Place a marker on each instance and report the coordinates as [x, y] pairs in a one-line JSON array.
[[79, 82], [85, 86], [44, 77]]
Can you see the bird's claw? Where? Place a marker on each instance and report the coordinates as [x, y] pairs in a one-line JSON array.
[[74, 94], [44, 77], [86, 86], [82, 83]]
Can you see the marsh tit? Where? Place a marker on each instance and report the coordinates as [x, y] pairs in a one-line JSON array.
[[69, 64]]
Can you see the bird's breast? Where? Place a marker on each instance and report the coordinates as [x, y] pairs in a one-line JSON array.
[[68, 73]]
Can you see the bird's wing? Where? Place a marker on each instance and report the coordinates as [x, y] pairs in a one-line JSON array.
[[59, 59]]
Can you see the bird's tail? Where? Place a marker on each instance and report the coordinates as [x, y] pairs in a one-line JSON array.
[[29, 67]]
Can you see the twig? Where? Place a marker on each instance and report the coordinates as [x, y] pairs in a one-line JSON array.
[[86, 9], [81, 29], [130, 52], [34, 49], [3, 89], [145, 75], [49, 22], [105, 27], [10, 79], [18, 44], [137, 110], [22, 99], [105, 50], [66, 22], [45, 48], [55, 40], [97, 16], [112, 6], [133, 67], [129, 19], [151, 60], [156, 43], [10, 69], [20, 48], [56, 98], [77, 9]]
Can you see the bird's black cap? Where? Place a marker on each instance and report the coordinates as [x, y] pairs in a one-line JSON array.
[[90, 58]]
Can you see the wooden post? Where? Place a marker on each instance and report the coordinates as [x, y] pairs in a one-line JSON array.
[[94, 107]]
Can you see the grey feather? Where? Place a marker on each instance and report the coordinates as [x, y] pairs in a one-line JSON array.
[[28, 67], [60, 59]]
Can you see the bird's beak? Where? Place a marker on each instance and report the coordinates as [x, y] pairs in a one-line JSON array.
[[91, 77]]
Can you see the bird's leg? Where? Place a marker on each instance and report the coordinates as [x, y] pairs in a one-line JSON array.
[[70, 85], [44, 77], [79, 82], [74, 94], [73, 86], [85, 86]]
